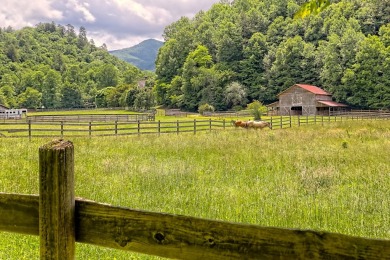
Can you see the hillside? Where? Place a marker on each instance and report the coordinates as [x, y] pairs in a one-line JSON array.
[[52, 66], [142, 55], [246, 50]]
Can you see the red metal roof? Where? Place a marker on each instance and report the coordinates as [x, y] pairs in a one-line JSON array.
[[332, 104], [313, 89]]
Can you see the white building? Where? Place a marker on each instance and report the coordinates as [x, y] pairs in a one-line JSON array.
[[6, 113]]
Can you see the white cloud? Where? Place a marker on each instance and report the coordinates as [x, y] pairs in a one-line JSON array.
[[22, 13], [82, 8], [118, 23]]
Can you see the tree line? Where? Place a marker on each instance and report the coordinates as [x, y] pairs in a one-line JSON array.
[[53, 66], [242, 51]]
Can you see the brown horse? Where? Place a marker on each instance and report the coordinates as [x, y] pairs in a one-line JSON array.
[[239, 123]]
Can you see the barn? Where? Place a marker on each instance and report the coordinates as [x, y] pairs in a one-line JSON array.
[[303, 99]]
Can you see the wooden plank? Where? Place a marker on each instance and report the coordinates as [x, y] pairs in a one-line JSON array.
[[182, 237], [56, 200]]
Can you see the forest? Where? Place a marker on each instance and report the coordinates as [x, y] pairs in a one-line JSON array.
[[245, 50], [53, 66], [236, 53]]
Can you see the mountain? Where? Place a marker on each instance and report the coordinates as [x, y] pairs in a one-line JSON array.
[[142, 55]]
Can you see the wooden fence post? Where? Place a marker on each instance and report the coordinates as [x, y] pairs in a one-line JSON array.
[[90, 128], [62, 129], [56, 200], [29, 130], [116, 127], [210, 124], [195, 126], [177, 127], [159, 127]]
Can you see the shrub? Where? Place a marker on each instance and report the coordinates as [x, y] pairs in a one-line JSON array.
[[257, 109], [205, 108]]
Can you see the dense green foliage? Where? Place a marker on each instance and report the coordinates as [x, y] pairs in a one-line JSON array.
[[52, 66], [142, 55], [344, 48]]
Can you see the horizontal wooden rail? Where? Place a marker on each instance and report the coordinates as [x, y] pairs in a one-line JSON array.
[[176, 236], [65, 128]]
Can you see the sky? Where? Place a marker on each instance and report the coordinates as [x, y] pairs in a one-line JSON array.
[[117, 23]]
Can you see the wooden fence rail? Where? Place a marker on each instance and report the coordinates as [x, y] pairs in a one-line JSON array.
[[65, 128], [60, 220], [92, 118], [32, 129]]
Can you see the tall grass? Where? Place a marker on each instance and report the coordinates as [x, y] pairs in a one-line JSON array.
[[333, 178]]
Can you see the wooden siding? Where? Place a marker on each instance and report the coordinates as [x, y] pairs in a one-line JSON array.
[[299, 101]]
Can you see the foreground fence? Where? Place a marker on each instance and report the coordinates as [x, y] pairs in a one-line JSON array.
[[60, 220]]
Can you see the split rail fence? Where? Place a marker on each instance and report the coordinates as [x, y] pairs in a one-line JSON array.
[[33, 128], [60, 220], [64, 128]]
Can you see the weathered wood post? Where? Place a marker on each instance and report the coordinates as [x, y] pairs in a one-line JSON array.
[[90, 128], [62, 129], [195, 126], [29, 130], [56, 200]]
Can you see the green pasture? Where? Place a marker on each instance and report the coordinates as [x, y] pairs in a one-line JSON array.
[[334, 178]]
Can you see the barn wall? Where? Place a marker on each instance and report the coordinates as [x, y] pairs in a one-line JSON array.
[[299, 97]]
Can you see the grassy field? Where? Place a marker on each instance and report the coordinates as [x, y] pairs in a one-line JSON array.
[[333, 178]]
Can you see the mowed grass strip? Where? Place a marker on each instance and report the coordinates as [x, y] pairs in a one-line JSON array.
[[333, 178]]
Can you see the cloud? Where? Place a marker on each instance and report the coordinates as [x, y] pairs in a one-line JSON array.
[[118, 23], [22, 13]]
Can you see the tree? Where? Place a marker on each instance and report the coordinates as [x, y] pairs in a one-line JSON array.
[[257, 109], [51, 90], [71, 96], [252, 66], [312, 7], [131, 95], [107, 76], [235, 95], [31, 98], [294, 63], [9, 95], [144, 99], [197, 62], [367, 83]]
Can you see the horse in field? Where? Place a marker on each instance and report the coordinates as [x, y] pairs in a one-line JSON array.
[[251, 124], [239, 123], [259, 124]]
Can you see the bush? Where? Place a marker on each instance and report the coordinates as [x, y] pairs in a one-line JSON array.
[[205, 108], [257, 109]]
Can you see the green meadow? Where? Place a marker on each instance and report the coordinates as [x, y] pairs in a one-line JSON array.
[[333, 178]]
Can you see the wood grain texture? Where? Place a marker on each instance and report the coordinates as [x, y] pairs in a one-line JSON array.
[[56, 200], [182, 237]]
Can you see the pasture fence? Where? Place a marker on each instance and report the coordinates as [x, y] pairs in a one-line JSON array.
[[60, 220], [84, 126], [92, 118]]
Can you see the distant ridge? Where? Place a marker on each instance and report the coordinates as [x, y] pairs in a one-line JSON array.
[[142, 55]]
